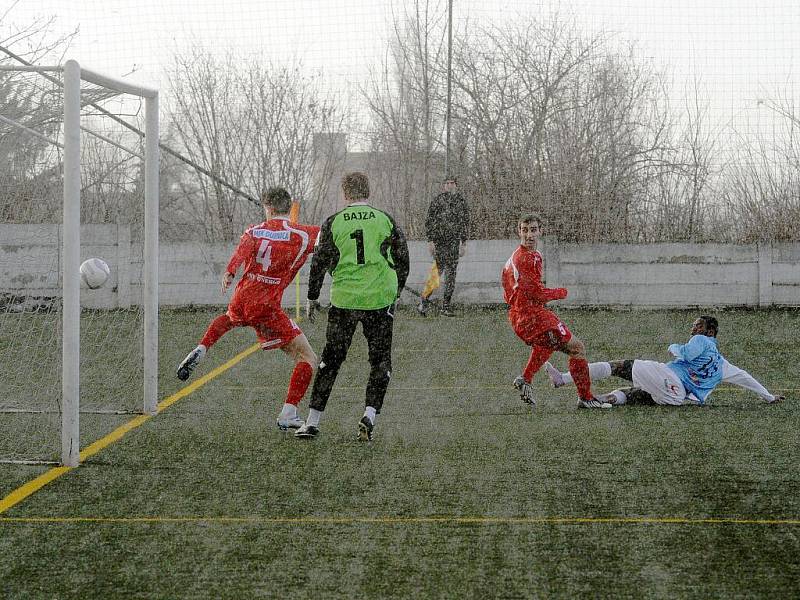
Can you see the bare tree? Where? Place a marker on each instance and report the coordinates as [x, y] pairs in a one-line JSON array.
[[405, 100], [29, 166], [544, 118], [254, 125], [112, 175], [760, 195], [554, 121], [680, 184]]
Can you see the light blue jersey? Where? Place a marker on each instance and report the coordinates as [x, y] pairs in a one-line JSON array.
[[698, 363]]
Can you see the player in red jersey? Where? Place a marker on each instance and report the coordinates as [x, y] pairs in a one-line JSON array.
[[536, 325], [272, 253]]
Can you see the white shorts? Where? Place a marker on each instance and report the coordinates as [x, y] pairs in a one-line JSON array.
[[658, 380]]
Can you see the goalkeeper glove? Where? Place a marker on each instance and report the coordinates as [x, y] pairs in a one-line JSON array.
[[312, 307]]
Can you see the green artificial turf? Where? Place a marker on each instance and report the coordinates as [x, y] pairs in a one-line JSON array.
[[466, 492]]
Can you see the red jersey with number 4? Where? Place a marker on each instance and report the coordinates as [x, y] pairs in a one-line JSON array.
[[526, 296], [272, 253]]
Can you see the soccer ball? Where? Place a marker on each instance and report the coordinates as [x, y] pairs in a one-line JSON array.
[[94, 273]]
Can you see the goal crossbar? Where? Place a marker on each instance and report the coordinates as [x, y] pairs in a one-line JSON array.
[[112, 83]]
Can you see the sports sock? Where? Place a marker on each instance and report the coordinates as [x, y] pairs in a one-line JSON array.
[[538, 357], [219, 327], [289, 411], [313, 417], [298, 383], [619, 397], [579, 369], [597, 371], [370, 413]]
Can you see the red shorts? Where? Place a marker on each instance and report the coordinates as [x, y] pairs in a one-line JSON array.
[[547, 335], [272, 326], [552, 338]]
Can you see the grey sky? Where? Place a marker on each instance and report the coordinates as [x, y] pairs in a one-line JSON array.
[[739, 49]]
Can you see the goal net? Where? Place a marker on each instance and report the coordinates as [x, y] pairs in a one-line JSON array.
[[79, 154]]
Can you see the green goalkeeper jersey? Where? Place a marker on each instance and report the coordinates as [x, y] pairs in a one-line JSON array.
[[367, 256]]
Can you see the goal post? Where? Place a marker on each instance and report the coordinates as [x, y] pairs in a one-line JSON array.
[[70, 281], [71, 79], [73, 74]]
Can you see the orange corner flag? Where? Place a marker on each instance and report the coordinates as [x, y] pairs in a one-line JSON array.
[[432, 282], [294, 212]]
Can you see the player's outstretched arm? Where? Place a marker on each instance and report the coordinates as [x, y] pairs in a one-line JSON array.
[[739, 377]]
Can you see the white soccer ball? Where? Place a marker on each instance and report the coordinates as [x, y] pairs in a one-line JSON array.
[[94, 273]]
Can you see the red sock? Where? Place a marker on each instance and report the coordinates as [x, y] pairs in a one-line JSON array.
[[219, 327], [579, 369], [539, 356], [298, 383]]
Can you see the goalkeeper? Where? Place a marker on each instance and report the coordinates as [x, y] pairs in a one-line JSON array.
[[367, 256]]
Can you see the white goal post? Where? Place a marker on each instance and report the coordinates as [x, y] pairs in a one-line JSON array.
[[73, 75]]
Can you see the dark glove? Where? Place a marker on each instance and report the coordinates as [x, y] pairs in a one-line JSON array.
[[312, 307]]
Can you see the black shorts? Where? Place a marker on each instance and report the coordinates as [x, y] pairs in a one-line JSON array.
[[377, 326]]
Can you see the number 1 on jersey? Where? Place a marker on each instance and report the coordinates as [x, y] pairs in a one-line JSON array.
[[263, 256], [358, 236]]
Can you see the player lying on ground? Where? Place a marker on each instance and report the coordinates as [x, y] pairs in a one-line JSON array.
[[534, 324], [625, 369], [272, 254]]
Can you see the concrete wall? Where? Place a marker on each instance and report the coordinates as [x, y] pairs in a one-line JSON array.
[[678, 274], [654, 275]]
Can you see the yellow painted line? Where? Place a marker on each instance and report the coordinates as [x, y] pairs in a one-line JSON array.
[[22, 492], [112, 437], [35, 485], [206, 378], [454, 520]]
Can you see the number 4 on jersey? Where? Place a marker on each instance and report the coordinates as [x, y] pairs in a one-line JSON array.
[[263, 255]]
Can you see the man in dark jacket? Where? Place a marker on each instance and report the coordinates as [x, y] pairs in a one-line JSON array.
[[446, 228]]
